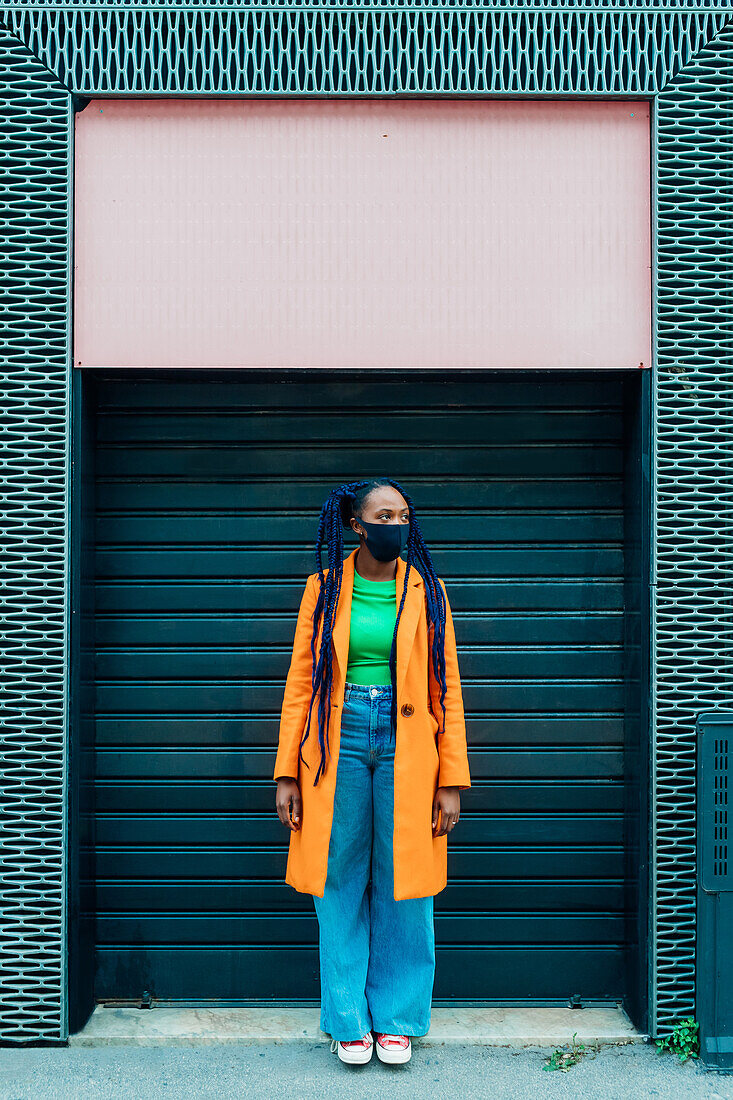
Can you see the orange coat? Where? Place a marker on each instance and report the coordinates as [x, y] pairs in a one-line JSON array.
[[421, 765]]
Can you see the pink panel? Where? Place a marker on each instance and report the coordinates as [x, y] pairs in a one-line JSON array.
[[362, 233]]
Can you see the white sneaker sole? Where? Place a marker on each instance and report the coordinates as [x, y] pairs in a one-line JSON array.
[[355, 1057], [394, 1057]]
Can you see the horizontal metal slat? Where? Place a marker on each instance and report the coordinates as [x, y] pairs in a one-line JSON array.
[[520, 492]]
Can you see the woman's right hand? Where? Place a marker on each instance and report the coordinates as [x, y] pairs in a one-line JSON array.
[[288, 802]]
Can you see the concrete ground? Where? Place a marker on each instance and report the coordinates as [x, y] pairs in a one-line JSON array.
[[307, 1069], [501, 1026]]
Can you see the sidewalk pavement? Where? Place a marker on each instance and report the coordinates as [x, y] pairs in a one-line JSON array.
[[309, 1071]]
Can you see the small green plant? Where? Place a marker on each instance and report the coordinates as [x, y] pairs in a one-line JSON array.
[[567, 1058], [684, 1040]]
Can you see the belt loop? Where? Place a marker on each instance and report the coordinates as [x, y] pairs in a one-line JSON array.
[[347, 693]]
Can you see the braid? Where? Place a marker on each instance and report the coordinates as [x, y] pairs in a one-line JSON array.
[[343, 502]]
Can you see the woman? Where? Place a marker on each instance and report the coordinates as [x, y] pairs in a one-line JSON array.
[[370, 762]]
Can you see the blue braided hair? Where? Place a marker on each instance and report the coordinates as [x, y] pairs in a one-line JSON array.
[[343, 502]]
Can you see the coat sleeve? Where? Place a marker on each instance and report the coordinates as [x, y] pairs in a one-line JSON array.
[[452, 747], [296, 698]]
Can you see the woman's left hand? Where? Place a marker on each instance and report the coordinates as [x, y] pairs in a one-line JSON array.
[[447, 805]]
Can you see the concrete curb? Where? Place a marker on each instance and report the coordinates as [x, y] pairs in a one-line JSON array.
[[506, 1027]]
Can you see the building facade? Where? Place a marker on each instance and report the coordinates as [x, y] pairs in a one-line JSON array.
[[143, 505]]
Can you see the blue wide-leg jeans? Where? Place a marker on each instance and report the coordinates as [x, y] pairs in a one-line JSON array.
[[377, 955]]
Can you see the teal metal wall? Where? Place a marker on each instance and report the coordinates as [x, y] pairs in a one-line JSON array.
[[35, 174], [52, 55], [693, 559]]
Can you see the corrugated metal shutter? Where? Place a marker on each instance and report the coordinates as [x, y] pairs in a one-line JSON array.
[[208, 492]]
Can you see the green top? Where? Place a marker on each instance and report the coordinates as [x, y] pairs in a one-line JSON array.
[[373, 615]]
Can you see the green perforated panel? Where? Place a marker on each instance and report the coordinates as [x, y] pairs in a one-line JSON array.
[[534, 48], [289, 50], [34, 237], [694, 540]]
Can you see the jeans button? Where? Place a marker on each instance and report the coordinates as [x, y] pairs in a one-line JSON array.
[[375, 691]]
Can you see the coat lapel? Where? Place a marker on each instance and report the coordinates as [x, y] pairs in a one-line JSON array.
[[414, 602]]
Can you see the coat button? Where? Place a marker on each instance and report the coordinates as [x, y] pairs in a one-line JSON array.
[[407, 709]]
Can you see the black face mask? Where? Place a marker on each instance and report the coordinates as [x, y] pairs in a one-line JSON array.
[[385, 540]]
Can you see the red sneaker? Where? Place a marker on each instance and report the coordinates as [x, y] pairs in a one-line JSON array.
[[354, 1051], [393, 1048]]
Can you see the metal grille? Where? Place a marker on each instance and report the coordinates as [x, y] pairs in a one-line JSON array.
[[713, 804], [360, 5], [34, 231], [299, 51], [603, 49], [720, 810], [694, 518]]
